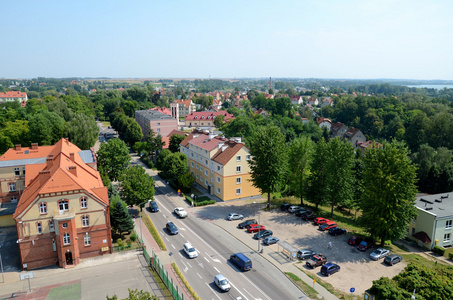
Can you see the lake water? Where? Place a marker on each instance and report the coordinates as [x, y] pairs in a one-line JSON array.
[[432, 86]]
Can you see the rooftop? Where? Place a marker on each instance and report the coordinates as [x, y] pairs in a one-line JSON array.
[[153, 115], [440, 205]]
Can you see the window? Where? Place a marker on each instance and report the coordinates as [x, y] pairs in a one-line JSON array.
[[448, 224], [206, 162], [196, 167], [212, 179], [238, 180], [87, 239], [201, 169], [206, 182], [158, 124], [191, 163], [43, 208], [16, 171], [218, 179], [197, 176], [247, 157], [63, 205], [191, 154], [238, 169], [218, 190], [39, 227], [206, 172], [12, 187], [238, 158], [23, 171], [52, 229], [446, 237], [238, 191], [64, 225], [413, 230], [85, 221], [13, 199], [83, 202], [158, 129], [66, 239]]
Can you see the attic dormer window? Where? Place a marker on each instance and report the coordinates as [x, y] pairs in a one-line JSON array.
[[196, 117], [202, 117]]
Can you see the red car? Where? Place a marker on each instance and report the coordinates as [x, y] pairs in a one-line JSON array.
[[256, 228], [328, 225], [319, 220], [354, 240]]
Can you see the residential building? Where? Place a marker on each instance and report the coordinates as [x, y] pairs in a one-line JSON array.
[[297, 100], [166, 139], [11, 96], [338, 130], [63, 212], [355, 137], [369, 145], [159, 122], [206, 118], [163, 110], [313, 101], [433, 225], [219, 165], [326, 102], [324, 122], [304, 120], [186, 107]]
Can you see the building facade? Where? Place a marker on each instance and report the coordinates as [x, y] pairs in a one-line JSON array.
[[13, 96], [185, 107], [219, 165], [63, 213], [159, 122], [206, 118]]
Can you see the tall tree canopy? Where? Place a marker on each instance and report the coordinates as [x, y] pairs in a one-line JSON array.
[[300, 152], [113, 157], [136, 186], [82, 131]]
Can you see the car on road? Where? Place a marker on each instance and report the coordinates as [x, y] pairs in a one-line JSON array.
[[262, 234], [153, 206], [329, 269], [364, 245], [270, 240], [392, 259], [327, 225], [242, 261], [180, 212], [285, 206], [316, 261], [171, 227], [234, 216], [354, 240], [255, 228], [379, 253], [293, 208], [308, 216], [305, 254], [190, 250], [319, 221], [222, 283], [337, 231], [247, 223]]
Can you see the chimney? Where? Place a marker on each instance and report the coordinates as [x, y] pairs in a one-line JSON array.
[[34, 146], [18, 147], [220, 145], [73, 170], [71, 156], [49, 160], [43, 176]]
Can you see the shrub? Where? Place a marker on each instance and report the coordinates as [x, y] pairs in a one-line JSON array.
[[203, 203], [133, 236], [450, 255], [129, 242], [439, 250], [120, 242]]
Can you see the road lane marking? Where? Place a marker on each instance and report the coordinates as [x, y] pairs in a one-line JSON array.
[[199, 276], [189, 265], [239, 291], [206, 259], [181, 234], [173, 246], [213, 291], [217, 270], [216, 260], [251, 295]]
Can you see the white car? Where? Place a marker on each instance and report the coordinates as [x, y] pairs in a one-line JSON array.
[[293, 208], [180, 212], [379, 253], [190, 250], [222, 282], [234, 216]]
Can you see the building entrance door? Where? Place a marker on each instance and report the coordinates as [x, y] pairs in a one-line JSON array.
[[69, 258]]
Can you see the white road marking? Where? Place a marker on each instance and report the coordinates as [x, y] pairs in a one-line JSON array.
[[213, 291], [217, 270], [216, 260], [173, 246], [251, 295], [180, 254], [183, 229], [181, 234], [239, 291], [199, 276], [189, 265], [206, 259]]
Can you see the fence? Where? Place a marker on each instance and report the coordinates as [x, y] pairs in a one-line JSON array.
[[154, 262]]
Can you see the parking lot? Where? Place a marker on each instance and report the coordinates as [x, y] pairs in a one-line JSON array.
[[357, 269]]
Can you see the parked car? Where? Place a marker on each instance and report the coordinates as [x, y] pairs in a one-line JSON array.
[[285, 206], [337, 231], [234, 216], [270, 240], [153, 206], [247, 223], [293, 208], [242, 261], [171, 227], [379, 253], [190, 250], [180, 212], [222, 283], [327, 225], [329, 269], [392, 259], [316, 261], [255, 228], [305, 254], [308, 216], [301, 212], [364, 245], [319, 220], [354, 240], [262, 234]]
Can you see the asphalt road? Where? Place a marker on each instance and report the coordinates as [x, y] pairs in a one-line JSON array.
[[215, 246]]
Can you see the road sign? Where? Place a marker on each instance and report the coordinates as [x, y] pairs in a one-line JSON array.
[[27, 275], [352, 290]]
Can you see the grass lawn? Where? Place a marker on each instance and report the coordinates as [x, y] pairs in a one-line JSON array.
[[67, 292]]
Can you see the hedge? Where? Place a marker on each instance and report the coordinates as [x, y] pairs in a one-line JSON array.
[[450, 255], [439, 250]]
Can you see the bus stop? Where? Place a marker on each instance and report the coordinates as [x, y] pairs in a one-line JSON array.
[[287, 249]]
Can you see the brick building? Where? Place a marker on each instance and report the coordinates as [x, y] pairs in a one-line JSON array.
[[63, 212]]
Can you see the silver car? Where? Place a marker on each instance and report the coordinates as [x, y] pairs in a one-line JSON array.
[[234, 216], [379, 253], [222, 282]]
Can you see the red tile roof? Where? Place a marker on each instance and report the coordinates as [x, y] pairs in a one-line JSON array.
[[163, 110], [208, 115], [26, 152], [13, 94], [228, 151], [322, 119]]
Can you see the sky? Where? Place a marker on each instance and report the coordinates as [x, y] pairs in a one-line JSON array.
[[351, 39]]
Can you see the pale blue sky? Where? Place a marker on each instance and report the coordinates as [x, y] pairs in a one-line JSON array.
[[408, 39]]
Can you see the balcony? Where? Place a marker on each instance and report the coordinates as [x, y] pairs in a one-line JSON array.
[[63, 215]]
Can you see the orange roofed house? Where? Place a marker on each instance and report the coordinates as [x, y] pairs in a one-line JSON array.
[[219, 165], [63, 211], [11, 96]]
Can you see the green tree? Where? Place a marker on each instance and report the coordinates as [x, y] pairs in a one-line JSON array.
[[46, 128], [175, 141], [185, 182], [136, 186], [136, 295], [17, 131], [133, 132], [388, 191], [175, 165], [317, 179], [82, 131], [219, 120], [300, 152], [161, 158], [120, 219], [113, 157], [268, 165]]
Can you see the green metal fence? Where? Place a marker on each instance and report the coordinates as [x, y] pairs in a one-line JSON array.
[[154, 262]]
